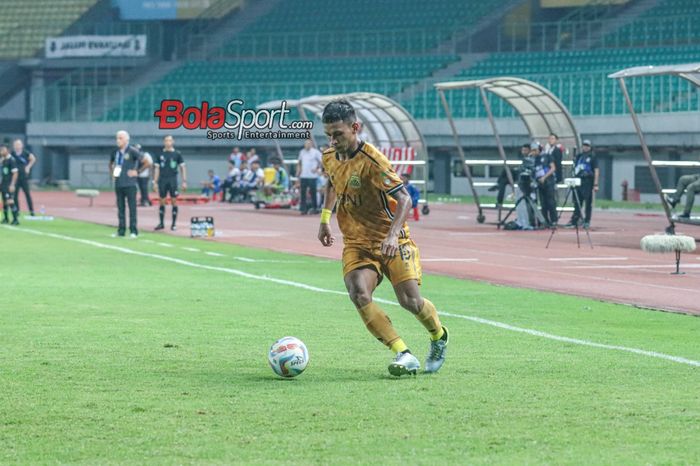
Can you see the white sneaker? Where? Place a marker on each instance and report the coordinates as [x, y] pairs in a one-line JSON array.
[[436, 355], [133, 235], [405, 363]]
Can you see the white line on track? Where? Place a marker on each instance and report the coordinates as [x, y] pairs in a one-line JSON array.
[[448, 259], [639, 266], [492, 323], [576, 259]]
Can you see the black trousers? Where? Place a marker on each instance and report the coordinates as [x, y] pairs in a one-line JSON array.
[[585, 196], [126, 196], [548, 202], [23, 184], [143, 189], [310, 184]]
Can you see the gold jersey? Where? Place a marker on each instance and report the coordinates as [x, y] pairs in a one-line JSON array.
[[364, 185]]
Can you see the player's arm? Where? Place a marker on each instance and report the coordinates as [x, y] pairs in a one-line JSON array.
[[298, 166], [183, 175], [32, 161], [552, 170], [156, 175], [13, 181], [325, 236], [390, 245]]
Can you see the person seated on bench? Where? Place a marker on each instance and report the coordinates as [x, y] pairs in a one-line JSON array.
[[280, 181], [502, 181], [691, 185], [212, 186], [251, 180]]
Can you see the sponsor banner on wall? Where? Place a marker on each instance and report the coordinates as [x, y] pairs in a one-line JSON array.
[[96, 46]]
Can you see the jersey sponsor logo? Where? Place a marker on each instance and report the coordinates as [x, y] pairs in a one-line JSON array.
[[350, 199], [355, 181]]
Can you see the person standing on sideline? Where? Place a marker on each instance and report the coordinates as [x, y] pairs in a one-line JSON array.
[[165, 179], [586, 168], [545, 173], [372, 205], [124, 164], [25, 161], [8, 186], [308, 169], [144, 178], [554, 150]]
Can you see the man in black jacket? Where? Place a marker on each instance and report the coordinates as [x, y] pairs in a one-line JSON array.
[[125, 163], [553, 149], [25, 161], [586, 168]]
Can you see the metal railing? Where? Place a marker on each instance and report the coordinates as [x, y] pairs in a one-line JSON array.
[[583, 94], [656, 31]]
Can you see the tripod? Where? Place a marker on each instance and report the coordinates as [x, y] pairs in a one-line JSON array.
[[532, 210], [571, 184]]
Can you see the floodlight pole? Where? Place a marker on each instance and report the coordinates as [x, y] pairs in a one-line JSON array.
[[645, 151], [501, 151], [446, 106]]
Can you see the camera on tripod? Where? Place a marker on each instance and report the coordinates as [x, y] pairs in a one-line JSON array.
[[526, 176]]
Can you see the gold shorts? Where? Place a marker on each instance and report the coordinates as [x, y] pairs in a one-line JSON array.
[[405, 265]]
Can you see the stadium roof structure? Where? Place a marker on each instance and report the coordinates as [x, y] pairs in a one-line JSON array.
[[687, 71], [385, 122], [541, 111]]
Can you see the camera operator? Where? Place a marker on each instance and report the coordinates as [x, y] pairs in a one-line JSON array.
[[554, 150], [586, 168], [545, 174], [502, 181]]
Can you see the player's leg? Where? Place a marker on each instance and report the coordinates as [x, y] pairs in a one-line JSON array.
[[405, 272], [131, 202], [5, 206], [121, 229], [174, 193], [162, 193], [24, 185]]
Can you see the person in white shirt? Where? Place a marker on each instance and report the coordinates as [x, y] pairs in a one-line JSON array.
[[308, 170], [144, 178]]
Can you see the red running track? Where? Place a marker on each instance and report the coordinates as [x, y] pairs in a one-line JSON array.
[[452, 243]]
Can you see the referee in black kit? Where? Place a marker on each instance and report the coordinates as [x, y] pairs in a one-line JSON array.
[[168, 162], [125, 164]]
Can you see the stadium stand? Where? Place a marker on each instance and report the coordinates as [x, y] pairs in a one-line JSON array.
[[578, 77], [259, 81], [293, 31], [669, 22], [25, 24]]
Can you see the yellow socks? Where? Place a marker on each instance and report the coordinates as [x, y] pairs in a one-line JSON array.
[[379, 325], [398, 346], [429, 318]]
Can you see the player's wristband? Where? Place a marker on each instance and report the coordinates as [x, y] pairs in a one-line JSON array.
[[326, 216]]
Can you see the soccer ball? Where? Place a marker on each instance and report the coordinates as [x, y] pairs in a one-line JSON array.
[[288, 357]]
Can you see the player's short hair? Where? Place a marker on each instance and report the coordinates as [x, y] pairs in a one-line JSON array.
[[124, 133], [339, 110], [555, 135]]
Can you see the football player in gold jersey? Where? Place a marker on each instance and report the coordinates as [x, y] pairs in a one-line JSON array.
[[372, 205]]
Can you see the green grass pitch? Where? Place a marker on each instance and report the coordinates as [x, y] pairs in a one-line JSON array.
[[108, 356]]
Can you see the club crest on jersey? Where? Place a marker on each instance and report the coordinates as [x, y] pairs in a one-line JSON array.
[[354, 181]]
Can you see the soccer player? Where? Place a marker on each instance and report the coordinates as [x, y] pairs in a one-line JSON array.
[[372, 205], [165, 179], [10, 175]]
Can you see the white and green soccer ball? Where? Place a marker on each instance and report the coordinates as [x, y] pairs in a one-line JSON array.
[[288, 357]]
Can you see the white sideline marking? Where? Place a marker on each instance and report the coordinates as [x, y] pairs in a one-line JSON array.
[[215, 254], [449, 259], [576, 341], [191, 249], [576, 259], [165, 245], [275, 261], [493, 323]]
